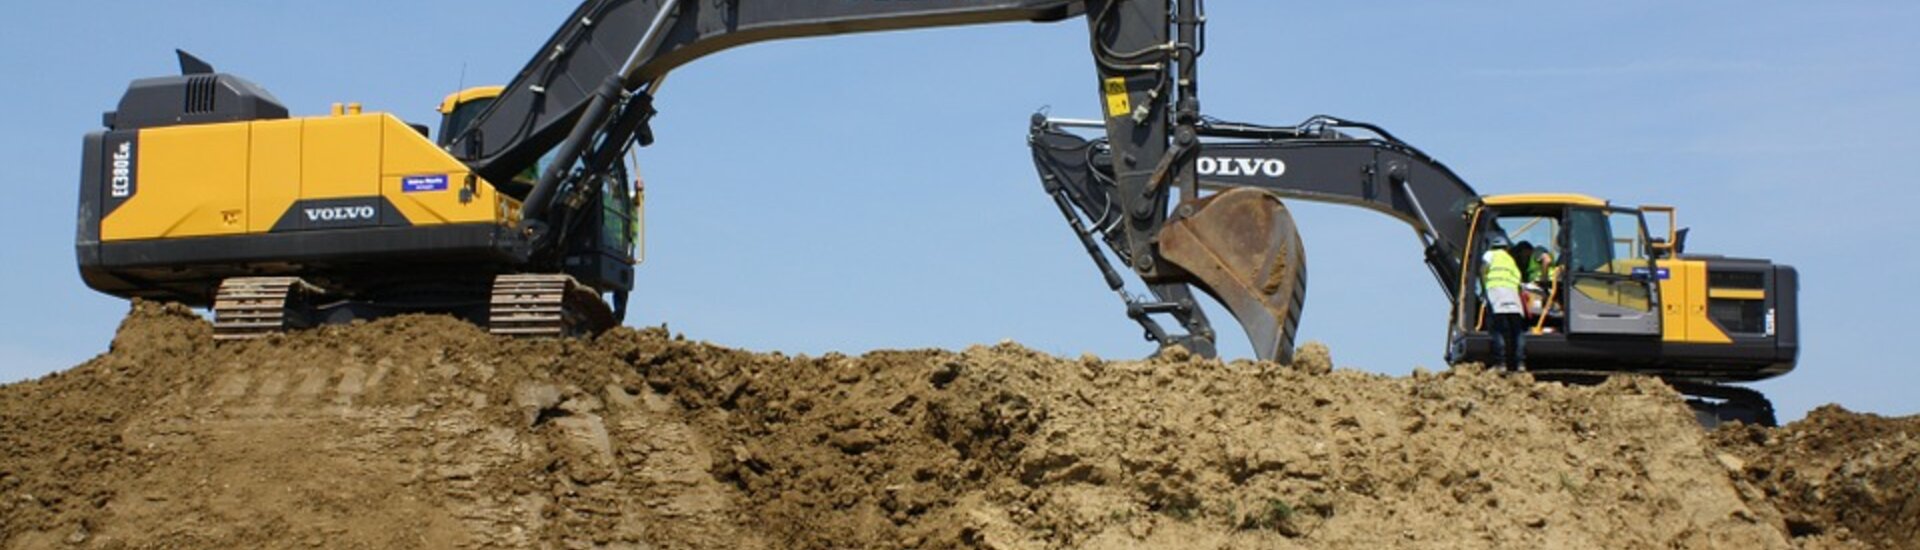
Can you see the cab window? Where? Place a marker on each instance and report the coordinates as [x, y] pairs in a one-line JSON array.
[[1612, 242], [454, 123], [1629, 236], [1540, 231], [1588, 246]]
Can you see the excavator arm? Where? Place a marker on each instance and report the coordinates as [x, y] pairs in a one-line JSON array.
[[619, 47], [587, 95], [1238, 244], [1318, 161]]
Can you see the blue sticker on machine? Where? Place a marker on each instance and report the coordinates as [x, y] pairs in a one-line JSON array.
[[417, 184], [1661, 274]]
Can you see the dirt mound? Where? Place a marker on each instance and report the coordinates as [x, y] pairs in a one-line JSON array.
[[409, 432], [1837, 475], [426, 432], [1005, 447]]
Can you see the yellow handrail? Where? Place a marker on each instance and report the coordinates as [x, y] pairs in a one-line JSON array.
[[1553, 291], [1466, 260]]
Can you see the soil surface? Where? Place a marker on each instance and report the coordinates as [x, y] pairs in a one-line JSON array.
[[1837, 475], [426, 432]]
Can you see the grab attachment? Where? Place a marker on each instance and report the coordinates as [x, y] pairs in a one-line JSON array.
[[1242, 246]]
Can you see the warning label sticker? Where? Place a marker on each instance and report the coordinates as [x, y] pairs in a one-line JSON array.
[[1118, 105]]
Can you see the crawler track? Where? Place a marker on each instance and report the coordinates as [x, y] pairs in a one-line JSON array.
[[532, 305], [253, 307]]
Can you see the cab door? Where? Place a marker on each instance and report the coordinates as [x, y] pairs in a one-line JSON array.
[[1611, 280]]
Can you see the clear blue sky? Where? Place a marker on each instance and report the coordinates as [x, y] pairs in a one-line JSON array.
[[874, 191]]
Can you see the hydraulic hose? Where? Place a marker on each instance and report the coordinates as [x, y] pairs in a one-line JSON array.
[[540, 199]]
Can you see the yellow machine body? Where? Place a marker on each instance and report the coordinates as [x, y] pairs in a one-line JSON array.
[[355, 201], [1683, 291], [1704, 316], [257, 177]]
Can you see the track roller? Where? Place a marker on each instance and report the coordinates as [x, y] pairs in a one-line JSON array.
[[545, 305], [253, 307], [1716, 404], [1713, 403]]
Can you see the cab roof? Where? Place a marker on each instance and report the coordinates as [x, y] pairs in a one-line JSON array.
[[1517, 199], [469, 94]]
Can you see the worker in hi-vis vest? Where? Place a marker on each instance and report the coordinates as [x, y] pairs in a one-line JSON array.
[[1500, 279]]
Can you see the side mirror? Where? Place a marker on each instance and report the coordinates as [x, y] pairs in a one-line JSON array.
[[1680, 241]]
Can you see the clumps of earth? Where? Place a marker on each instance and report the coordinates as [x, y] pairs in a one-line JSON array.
[[426, 432]]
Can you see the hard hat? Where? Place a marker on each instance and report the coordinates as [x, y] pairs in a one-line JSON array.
[[1499, 240]]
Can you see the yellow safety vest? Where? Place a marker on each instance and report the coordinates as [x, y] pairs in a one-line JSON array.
[[1501, 271]]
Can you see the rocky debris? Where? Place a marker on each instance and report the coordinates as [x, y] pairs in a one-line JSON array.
[[1839, 478]]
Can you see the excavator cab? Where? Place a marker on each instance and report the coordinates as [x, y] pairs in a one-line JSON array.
[[460, 109], [615, 246], [1620, 297], [1587, 266], [457, 113]]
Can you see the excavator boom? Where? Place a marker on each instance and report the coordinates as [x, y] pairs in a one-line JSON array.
[[590, 90], [636, 42]]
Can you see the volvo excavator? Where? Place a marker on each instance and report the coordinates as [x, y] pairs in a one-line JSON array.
[[522, 215], [1612, 296]]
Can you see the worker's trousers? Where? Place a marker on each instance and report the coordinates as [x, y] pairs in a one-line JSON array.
[[1509, 340]]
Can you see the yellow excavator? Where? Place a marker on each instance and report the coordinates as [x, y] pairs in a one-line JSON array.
[[1607, 293], [522, 213]]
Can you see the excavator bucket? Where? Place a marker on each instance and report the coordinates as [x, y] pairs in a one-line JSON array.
[[1243, 247]]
